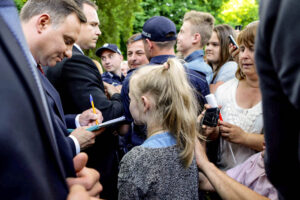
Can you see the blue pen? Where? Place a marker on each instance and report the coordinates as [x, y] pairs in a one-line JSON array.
[[94, 110]]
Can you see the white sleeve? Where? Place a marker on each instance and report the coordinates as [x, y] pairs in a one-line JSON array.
[[77, 145], [77, 121]]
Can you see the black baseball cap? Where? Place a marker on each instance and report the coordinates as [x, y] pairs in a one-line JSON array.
[[106, 46], [158, 29]]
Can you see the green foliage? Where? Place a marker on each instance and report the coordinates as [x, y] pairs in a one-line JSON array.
[[239, 12], [116, 19], [175, 10], [19, 4], [121, 18]]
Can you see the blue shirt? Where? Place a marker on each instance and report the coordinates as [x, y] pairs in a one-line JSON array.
[[112, 78], [161, 140], [195, 61]]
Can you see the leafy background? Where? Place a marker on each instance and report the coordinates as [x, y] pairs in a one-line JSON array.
[[121, 18]]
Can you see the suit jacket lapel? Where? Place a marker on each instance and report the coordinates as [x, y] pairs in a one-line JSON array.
[[76, 51], [53, 94]]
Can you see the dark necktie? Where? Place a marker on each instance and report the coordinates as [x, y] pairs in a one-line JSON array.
[[40, 68]]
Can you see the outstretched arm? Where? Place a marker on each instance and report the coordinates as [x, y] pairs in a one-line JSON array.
[[225, 186]]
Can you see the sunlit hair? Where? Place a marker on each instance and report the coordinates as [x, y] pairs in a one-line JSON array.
[[175, 105], [202, 23], [58, 10], [223, 31], [246, 37]]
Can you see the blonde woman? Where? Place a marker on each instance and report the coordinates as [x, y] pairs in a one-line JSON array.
[[163, 167]]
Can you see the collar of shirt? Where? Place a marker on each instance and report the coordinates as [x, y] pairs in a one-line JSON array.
[[113, 76], [161, 140], [198, 54], [78, 47], [160, 59]]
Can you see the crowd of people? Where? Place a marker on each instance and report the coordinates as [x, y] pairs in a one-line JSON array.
[[163, 149]]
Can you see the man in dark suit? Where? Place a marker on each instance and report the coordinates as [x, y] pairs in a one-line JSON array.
[[49, 45], [31, 164], [278, 66], [75, 79]]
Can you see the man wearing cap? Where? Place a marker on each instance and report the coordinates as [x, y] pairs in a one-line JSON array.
[[111, 59], [159, 38], [75, 79]]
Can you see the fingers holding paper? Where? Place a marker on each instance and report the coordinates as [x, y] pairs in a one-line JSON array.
[[85, 138], [88, 117]]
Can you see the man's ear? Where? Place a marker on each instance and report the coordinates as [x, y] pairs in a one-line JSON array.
[[149, 43], [197, 38], [146, 103], [43, 22]]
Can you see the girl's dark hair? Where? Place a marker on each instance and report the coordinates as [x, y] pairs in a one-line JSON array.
[[223, 31]]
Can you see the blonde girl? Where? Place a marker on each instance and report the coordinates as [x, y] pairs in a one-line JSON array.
[[163, 166]]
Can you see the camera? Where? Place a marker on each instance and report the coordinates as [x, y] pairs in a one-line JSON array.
[[211, 117]]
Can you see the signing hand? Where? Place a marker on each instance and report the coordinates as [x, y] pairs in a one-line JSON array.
[[88, 117], [231, 132], [86, 177]]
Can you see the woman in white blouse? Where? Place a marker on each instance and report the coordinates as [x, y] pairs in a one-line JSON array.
[[241, 109]]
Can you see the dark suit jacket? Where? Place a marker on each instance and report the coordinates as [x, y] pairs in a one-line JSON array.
[[78, 77], [31, 166], [278, 65], [66, 144], [75, 79]]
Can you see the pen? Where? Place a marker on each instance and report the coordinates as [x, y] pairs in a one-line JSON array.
[[92, 102]]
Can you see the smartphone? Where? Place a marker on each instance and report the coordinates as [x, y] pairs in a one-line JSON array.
[[238, 27], [232, 41], [211, 117]]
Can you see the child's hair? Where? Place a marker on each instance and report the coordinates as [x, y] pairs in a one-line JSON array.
[[223, 31], [246, 37], [174, 101]]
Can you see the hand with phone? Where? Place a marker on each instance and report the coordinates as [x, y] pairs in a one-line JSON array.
[[211, 117], [233, 49], [210, 132], [232, 41]]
